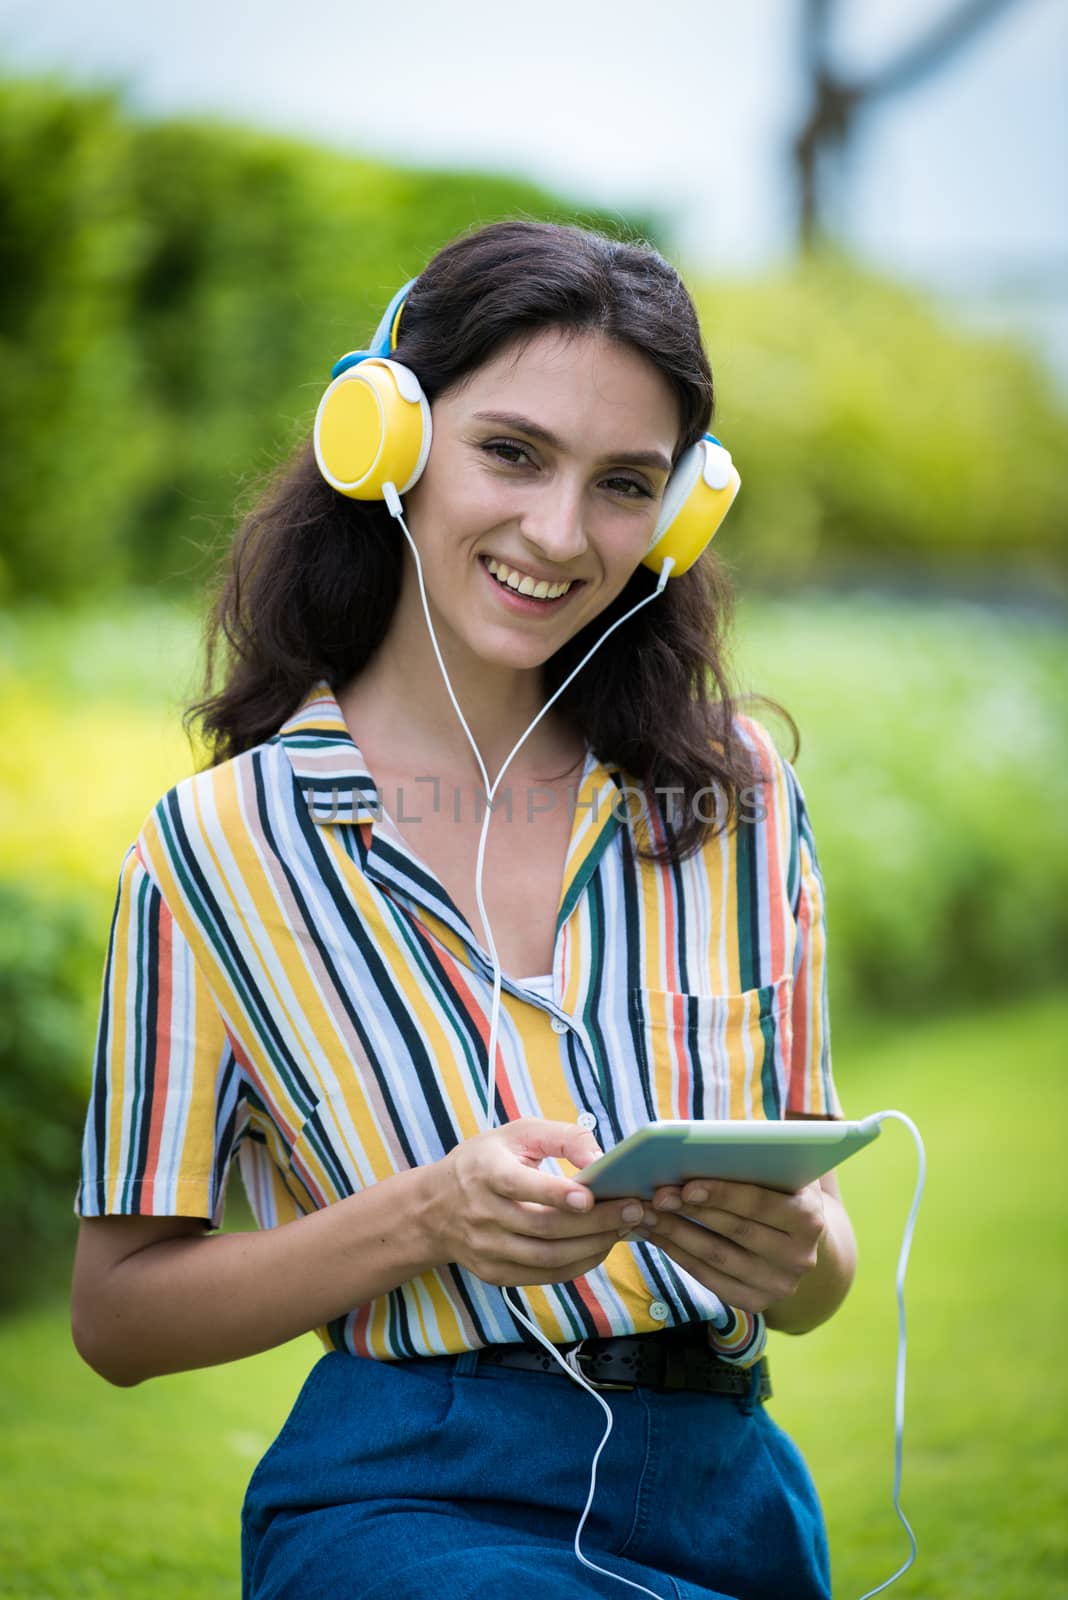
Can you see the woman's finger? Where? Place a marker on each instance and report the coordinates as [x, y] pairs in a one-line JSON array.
[[742, 1199], [775, 1277], [739, 1292], [515, 1181], [756, 1238], [799, 1215], [509, 1160], [545, 1260], [535, 1221]]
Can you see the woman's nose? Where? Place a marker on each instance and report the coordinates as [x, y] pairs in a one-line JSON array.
[[555, 523]]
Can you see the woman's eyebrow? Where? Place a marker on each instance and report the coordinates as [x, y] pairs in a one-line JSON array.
[[628, 458]]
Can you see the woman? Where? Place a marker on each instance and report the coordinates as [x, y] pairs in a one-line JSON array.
[[296, 977]]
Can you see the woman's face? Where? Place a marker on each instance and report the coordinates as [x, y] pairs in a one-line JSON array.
[[550, 462]]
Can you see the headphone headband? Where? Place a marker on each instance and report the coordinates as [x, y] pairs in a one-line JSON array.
[[373, 431], [384, 338]]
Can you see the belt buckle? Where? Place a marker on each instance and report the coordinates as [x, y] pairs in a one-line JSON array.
[[572, 1359]]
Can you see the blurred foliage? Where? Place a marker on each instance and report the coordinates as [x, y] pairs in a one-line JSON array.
[[934, 761], [50, 971], [172, 295], [871, 434], [92, 738]]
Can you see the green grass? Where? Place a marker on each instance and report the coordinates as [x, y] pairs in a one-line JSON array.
[[137, 1492], [985, 1452]]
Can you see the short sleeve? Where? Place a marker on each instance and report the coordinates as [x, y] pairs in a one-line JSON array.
[[162, 1122], [742, 1339], [811, 1089]]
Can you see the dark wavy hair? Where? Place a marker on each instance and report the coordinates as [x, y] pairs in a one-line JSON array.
[[310, 584]]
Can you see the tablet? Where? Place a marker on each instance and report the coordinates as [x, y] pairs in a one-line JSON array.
[[777, 1155]]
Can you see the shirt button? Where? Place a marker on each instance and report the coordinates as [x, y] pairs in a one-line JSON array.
[[558, 1026], [587, 1120], [659, 1311]]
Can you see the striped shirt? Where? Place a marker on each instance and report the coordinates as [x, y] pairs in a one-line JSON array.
[[287, 983]]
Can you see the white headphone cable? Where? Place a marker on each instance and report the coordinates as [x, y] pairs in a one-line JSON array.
[[392, 499], [899, 1382]]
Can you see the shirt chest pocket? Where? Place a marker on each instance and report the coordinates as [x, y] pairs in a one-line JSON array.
[[720, 1056]]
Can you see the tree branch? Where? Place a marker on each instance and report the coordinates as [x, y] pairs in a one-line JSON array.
[[927, 53]]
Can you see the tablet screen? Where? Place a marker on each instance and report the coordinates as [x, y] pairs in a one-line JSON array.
[[778, 1155]]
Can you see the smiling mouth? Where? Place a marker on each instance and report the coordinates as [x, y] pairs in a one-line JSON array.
[[527, 587]]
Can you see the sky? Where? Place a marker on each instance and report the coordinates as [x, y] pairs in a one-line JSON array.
[[686, 107]]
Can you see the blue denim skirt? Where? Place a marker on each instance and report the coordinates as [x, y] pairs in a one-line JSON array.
[[438, 1478]]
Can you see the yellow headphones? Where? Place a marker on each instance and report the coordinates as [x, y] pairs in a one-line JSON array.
[[373, 428]]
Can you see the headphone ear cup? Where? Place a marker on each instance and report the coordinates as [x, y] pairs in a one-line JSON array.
[[372, 428], [698, 495]]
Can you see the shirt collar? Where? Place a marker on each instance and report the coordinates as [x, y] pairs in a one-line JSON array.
[[326, 762], [338, 788]]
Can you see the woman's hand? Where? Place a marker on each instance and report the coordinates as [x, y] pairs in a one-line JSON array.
[[493, 1211], [751, 1246]]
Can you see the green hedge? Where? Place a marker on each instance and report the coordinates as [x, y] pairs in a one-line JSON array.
[[51, 963], [934, 759], [172, 295], [872, 435]]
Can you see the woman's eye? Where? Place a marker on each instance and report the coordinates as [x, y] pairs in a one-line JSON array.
[[506, 450], [510, 453], [628, 487]]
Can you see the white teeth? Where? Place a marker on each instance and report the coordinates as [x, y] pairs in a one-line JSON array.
[[524, 584]]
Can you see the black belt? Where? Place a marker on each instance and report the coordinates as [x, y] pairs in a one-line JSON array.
[[675, 1359]]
